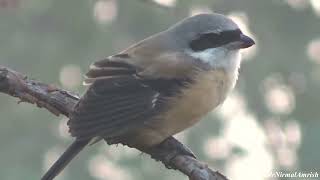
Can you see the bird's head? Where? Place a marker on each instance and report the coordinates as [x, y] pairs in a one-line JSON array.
[[211, 38]]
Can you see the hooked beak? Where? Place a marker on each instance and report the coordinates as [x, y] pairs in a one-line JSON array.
[[246, 41]]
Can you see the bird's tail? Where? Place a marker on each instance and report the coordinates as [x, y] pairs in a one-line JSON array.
[[65, 158]]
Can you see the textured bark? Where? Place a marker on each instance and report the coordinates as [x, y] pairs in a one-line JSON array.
[[58, 101]]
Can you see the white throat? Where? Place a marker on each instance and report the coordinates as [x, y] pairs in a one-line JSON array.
[[219, 58]]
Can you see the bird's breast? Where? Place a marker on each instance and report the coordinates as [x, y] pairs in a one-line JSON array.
[[207, 91]]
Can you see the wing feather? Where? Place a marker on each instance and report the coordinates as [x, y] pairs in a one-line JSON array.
[[117, 100]]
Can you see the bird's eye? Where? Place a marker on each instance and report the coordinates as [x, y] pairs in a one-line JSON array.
[[213, 39], [232, 35]]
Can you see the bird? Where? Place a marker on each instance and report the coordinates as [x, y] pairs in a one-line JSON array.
[[157, 87]]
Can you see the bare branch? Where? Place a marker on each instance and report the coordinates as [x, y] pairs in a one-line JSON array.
[[58, 101]]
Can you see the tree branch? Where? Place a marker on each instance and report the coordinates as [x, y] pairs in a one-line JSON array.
[[58, 101]]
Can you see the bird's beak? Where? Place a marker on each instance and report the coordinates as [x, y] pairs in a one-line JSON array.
[[246, 41]]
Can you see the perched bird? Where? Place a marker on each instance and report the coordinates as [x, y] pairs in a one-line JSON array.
[[157, 87]]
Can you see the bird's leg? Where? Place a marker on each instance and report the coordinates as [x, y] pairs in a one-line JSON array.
[[168, 150]]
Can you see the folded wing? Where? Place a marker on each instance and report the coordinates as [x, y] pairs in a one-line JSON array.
[[118, 100]]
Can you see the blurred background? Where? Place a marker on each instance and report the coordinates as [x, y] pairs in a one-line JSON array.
[[269, 124]]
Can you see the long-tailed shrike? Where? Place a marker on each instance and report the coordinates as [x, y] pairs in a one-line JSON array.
[[157, 87]]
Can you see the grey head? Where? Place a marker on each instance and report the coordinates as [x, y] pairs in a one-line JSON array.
[[210, 38], [205, 31]]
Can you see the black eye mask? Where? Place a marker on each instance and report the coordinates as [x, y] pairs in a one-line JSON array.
[[212, 39]]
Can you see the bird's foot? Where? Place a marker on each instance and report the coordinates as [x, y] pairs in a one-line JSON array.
[[168, 150]]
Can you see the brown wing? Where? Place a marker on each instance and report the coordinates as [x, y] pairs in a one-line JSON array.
[[118, 100]]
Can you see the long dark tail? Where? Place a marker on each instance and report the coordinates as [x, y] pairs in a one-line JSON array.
[[65, 158]]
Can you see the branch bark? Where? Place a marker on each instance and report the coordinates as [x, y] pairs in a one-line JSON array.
[[58, 101]]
